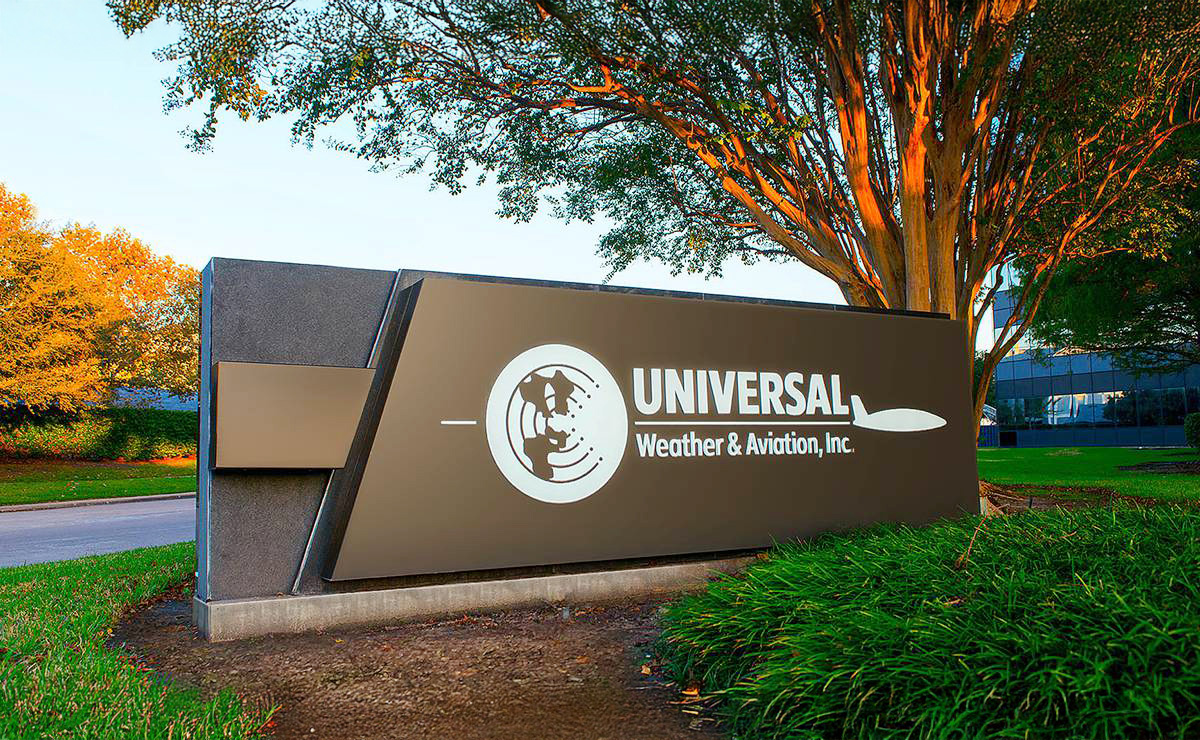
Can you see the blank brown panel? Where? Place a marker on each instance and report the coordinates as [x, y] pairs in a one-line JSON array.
[[286, 416]]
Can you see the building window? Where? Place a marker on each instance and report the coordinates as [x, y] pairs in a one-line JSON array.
[[1069, 410], [1174, 406], [1010, 412], [1149, 407], [1082, 383], [1036, 411], [1091, 409], [1118, 407]]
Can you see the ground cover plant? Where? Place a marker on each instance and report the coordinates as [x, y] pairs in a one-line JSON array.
[[1082, 624], [1092, 467], [59, 679], [37, 481]]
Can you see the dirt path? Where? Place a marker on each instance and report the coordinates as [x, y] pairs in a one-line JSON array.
[[524, 674]]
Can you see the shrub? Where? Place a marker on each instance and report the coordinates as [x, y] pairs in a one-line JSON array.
[[99, 434], [1191, 429], [1060, 625]]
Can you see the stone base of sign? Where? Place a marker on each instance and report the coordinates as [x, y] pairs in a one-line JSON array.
[[240, 618]]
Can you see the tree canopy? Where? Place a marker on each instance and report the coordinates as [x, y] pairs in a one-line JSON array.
[[904, 149], [82, 313], [1142, 306]]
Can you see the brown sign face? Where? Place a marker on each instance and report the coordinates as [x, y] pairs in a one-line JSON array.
[[512, 425]]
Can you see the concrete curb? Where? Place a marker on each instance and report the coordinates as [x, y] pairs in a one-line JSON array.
[[94, 502], [236, 619]]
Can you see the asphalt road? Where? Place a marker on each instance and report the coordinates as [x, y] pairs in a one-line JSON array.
[[62, 534]]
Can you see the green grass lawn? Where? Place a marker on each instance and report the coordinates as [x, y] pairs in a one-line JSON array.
[[35, 481], [1092, 467], [1081, 624], [59, 679]]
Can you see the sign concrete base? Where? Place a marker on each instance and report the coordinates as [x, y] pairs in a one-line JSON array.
[[236, 619]]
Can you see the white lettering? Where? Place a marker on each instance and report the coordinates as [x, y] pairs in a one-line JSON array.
[[770, 385], [791, 383], [722, 390], [652, 404], [679, 391], [818, 397], [835, 385], [747, 392]]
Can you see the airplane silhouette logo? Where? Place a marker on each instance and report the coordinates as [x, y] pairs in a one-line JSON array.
[[893, 420]]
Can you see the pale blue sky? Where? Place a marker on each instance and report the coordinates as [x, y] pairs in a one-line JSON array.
[[82, 132]]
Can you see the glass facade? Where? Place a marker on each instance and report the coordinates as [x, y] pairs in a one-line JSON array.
[[1063, 398]]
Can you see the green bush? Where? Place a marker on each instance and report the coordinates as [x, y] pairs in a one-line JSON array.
[[1059, 625], [99, 434], [1191, 430]]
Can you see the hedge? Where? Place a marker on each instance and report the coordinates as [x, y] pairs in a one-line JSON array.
[[1049, 625], [1191, 429], [99, 434]]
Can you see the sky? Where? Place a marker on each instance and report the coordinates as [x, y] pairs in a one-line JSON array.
[[84, 135]]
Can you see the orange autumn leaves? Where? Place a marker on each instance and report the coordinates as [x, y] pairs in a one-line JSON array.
[[82, 313]]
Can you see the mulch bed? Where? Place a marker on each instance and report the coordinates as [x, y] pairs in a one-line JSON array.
[[1014, 499], [520, 674], [526, 674]]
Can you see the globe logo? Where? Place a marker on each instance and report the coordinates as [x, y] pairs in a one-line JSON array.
[[556, 423]]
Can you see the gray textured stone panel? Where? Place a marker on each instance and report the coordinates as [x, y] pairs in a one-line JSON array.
[[253, 526]]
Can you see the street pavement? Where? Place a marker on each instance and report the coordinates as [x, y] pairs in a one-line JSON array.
[[62, 534]]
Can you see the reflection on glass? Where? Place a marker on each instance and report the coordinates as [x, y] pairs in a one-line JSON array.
[[1096, 408], [1149, 407], [1036, 411], [1174, 406], [1010, 412], [1119, 408]]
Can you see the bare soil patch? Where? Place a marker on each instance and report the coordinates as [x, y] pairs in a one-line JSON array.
[[520, 674], [1015, 498]]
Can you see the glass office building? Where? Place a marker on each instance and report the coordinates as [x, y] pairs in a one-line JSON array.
[[1079, 398]]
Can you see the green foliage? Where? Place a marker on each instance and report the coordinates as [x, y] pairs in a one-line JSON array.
[[609, 110], [99, 434], [1191, 430], [59, 679], [1140, 300], [905, 151], [1058, 625]]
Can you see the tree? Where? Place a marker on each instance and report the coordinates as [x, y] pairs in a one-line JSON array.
[[157, 346], [80, 311], [990, 398], [1140, 306], [904, 149]]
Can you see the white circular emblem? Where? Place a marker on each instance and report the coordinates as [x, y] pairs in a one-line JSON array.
[[556, 423]]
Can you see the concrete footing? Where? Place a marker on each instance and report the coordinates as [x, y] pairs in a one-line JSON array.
[[239, 618]]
